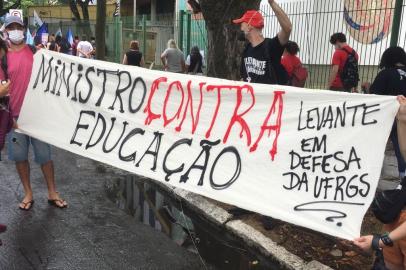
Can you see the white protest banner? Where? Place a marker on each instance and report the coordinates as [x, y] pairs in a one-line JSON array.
[[308, 157]]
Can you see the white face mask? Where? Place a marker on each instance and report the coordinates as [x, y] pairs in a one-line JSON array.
[[16, 36]]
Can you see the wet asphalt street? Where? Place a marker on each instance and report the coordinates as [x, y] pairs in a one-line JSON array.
[[91, 234]]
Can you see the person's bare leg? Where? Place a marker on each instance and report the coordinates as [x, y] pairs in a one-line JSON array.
[[23, 169], [49, 175]]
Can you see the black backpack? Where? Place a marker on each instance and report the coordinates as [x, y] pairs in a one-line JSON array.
[[349, 75]]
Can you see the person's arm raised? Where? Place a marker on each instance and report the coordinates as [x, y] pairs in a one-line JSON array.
[[284, 22]]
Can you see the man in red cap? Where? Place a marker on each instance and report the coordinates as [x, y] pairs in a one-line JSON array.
[[261, 60]]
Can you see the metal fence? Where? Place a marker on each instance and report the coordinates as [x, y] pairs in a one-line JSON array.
[[367, 25], [188, 30], [80, 30], [152, 35], [191, 32]]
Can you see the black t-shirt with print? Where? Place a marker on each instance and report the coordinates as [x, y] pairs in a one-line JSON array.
[[390, 82], [262, 63]]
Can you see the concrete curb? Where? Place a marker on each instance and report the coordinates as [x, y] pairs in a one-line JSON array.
[[249, 235], [252, 237], [269, 248]]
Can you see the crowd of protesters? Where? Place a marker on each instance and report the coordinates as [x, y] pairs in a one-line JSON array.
[[79, 47], [263, 60]]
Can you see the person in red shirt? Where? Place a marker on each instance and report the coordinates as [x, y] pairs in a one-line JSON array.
[[4, 88], [342, 50], [289, 59], [20, 60]]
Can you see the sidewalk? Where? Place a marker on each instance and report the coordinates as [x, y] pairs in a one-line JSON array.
[[91, 234]]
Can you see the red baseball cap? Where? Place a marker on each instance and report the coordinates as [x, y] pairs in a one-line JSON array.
[[252, 17]]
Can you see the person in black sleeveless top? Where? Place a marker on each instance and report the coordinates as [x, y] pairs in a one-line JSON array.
[[194, 62], [133, 57], [52, 46]]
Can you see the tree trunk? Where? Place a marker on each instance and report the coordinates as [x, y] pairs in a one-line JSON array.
[[84, 5], [101, 30], [74, 9], [224, 49], [85, 9]]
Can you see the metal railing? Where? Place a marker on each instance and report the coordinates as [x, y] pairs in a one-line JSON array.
[[367, 25]]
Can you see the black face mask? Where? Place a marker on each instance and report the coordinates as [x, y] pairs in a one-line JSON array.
[[241, 36]]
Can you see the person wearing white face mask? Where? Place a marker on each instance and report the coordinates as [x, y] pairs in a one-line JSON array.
[[19, 61]]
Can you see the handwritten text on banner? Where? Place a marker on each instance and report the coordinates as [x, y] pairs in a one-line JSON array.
[[312, 158]]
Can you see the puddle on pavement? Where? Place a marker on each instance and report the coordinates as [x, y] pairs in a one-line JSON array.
[[146, 204]]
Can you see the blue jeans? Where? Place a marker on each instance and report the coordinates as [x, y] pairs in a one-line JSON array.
[[394, 139], [18, 146]]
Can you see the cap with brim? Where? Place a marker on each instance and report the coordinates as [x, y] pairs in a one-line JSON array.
[[238, 21], [13, 19], [252, 17]]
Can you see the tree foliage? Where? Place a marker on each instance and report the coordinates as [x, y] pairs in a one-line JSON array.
[[5, 7]]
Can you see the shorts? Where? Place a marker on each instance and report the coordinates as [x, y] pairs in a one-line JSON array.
[[396, 255], [18, 146]]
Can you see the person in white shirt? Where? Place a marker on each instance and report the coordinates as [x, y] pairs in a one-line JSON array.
[[84, 49]]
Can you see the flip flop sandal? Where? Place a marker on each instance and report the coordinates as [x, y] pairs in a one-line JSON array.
[[54, 203], [31, 203]]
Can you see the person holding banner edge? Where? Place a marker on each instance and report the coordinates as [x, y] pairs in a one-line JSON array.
[[393, 242], [4, 89], [391, 81], [18, 69], [261, 59]]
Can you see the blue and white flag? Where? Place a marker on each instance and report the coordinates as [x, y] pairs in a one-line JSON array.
[[69, 37], [29, 40], [59, 32], [37, 20], [42, 33]]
